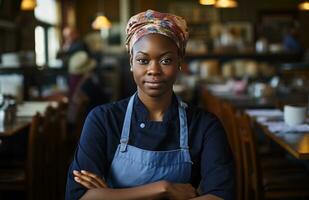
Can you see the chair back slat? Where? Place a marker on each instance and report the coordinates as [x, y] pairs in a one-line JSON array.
[[252, 171], [230, 124], [212, 104], [46, 155], [35, 156]]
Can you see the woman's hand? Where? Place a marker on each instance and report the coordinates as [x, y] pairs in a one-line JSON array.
[[89, 180], [177, 191]]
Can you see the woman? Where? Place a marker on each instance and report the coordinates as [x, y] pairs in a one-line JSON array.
[[152, 145]]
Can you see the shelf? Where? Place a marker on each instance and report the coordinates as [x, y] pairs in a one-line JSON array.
[[35, 77], [269, 57], [31, 69]]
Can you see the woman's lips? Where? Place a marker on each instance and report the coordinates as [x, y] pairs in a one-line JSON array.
[[154, 84]]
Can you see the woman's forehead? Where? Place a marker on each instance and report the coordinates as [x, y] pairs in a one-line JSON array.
[[155, 43]]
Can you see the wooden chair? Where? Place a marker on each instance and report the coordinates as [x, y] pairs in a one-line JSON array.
[[43, 177], [230, 125], [55, 152], [63, 152], [212, 103], [29, 177], [259, 184], [226, 114]]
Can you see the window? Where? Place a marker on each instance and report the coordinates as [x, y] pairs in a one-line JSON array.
[[47, 34], [40, 46]]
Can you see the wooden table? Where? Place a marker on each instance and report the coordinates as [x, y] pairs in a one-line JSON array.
[[25, 112], [296, 144], [12, 129]]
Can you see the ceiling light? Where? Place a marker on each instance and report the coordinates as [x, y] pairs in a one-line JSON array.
[[226, 4], [101, 22], [207, 2], [304, 5], [28, 4]]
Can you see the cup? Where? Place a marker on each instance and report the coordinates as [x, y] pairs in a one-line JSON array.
[[294, 115]]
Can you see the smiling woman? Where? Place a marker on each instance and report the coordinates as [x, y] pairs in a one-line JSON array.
[[152, 145]]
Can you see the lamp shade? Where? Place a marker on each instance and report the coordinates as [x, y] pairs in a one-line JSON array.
[[101, 22], [207, 2], [28, 4], [304, 6], [226, 4]]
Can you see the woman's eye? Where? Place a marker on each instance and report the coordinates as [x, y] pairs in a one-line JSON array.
[[166, 61], [142, 61]]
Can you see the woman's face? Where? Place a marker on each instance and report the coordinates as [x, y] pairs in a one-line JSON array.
[[155, 63]]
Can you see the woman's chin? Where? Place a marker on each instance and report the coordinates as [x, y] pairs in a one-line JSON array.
[[151, 92]]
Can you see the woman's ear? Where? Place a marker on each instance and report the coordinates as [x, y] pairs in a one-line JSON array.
[[181, 62]]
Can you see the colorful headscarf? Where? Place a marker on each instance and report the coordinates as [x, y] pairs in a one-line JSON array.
[[151, 21]]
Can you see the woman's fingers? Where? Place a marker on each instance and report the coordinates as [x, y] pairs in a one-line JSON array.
[[86, 184], [85, 180], [88, 179], [94, 176]]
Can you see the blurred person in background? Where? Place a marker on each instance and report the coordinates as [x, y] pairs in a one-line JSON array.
[[91, 83], [291, 41], [71, 44], [80, 65], [75, 57], [152, 145], [89, 90]]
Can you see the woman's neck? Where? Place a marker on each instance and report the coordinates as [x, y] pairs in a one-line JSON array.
[[156, 106]]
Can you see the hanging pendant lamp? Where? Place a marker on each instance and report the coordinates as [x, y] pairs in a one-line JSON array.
[[304, 6], [226, 4], [207, 2], [28, 5], [101, 21]]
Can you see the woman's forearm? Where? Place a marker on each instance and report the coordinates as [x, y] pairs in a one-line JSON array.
[[151, 191]]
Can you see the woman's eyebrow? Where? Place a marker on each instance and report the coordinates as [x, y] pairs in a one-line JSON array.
[[167, 52], [162, 54], [142, 53]]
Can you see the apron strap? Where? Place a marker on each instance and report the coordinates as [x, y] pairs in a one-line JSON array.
[[183, 124], [125, 133]]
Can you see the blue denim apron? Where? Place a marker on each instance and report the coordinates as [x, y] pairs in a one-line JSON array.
[[133, 166]]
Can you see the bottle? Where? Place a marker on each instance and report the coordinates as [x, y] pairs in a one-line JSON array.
[[261, 45]]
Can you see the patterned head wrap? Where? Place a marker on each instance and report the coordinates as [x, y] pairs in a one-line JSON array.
[[151, 21]]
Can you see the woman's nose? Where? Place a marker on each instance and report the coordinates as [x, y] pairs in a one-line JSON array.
[[154, 69]]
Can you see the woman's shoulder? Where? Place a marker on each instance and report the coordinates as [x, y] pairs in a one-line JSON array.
[[198, 113]]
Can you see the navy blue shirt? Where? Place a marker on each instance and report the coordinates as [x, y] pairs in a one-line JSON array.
[[212, 168]]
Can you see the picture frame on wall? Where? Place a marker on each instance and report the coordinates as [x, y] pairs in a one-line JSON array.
[[234, 36], [273, 25], [245, 30]]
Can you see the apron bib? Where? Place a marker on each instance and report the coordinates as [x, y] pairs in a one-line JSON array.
[[133, 166]]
